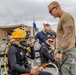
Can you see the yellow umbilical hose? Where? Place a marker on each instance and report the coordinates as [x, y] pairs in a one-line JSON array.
[[5, 57]]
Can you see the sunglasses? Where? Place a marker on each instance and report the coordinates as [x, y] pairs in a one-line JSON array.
[[47, 25], [50, 41], [50, 11]]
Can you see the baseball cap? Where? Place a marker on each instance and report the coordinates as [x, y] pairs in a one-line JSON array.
[[50, 36]]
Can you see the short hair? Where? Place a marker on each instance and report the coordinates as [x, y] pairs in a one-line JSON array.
[[53, 4]]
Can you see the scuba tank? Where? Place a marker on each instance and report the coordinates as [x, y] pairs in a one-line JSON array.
[[37, 47], [3, 55]]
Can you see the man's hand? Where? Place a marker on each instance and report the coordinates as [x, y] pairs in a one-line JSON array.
[[58, 57], [34, 72], [32, 41], [47, 27]]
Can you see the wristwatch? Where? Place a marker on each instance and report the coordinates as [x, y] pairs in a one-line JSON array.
[[59, 52]]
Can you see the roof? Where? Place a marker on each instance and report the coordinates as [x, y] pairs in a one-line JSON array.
[[13, 26]]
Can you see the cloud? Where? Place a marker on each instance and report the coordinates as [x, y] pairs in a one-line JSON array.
[[23, 11]]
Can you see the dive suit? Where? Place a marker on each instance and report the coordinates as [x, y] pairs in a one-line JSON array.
[[18, 61]]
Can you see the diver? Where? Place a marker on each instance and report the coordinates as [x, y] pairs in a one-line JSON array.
[[47, 51], [17, 58]]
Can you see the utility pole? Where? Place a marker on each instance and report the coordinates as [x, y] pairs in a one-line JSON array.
[[33, 24]]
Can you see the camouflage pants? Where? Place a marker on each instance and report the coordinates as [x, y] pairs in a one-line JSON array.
[[68, 63]]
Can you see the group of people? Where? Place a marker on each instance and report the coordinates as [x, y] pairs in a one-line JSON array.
[[63, 52]]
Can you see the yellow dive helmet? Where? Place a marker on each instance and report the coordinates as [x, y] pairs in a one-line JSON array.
[[18, 33]]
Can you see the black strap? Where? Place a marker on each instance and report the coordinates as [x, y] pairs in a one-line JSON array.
[[1, 55], [62, 64], [7, 65]]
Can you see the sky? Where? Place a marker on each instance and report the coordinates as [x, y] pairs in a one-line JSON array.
[[14, 12]]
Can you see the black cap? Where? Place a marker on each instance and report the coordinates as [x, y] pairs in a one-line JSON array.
[[50, 36]]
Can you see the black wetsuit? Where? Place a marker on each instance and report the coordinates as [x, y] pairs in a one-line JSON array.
[[18, 61], [47, 54]]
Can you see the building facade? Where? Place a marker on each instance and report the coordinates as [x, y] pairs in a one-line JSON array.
[[5, 30]]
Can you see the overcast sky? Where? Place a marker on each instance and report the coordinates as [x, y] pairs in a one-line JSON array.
[[23, 11]]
